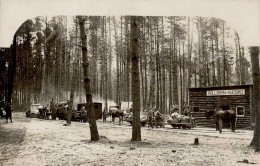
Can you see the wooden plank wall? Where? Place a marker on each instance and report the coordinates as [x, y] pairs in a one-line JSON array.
[[198, 97]]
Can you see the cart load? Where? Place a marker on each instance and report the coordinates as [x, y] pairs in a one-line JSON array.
[[180, 121], [33, 112]]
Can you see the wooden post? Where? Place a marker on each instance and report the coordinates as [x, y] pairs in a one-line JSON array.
[[196, 141]]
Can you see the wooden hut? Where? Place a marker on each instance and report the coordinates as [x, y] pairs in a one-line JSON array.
[[238, 98]]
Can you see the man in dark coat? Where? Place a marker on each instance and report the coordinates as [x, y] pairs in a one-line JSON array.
[[8, 110], [150, 117], [1, 112], [104, 115]]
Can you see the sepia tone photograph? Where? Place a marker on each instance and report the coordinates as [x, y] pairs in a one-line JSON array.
[[114, 87]]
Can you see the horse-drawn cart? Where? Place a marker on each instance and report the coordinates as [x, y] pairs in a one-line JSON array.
[[181, 121], [182, 125], [33, 112]]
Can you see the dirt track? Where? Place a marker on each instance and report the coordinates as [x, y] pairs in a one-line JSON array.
[[46, 142]]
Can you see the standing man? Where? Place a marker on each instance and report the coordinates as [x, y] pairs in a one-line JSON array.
[[53, 112], [186, 110], [84, 115], [8, 110], [52, 104], [104, 115], [150, 117], [1, 112]]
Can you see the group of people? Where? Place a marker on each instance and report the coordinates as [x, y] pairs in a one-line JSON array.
[[155, 117], [61, 111], [8, 110], [175, 108], [58, 110]]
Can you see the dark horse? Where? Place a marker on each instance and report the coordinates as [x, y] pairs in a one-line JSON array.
[[117, 113], [222, 115]]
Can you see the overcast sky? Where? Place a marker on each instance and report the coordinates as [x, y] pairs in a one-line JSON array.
[[243, 15]]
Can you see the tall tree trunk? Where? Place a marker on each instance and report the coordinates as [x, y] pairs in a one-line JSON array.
[[224, 57], [202, 66], [181, 81], [213, 61], [243, 72], [117, 65], [72, 90], [170, 63], [152, 66], [195, 72], [217, 56], [105, 65], [189, 56], [157, 66], [254, 51], [92, 119], [175, 94], [163, 85], [12, 69], [238, 59], [110, 89], [136, 130]]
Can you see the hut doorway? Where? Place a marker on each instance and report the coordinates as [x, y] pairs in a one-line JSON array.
[[225, 107]]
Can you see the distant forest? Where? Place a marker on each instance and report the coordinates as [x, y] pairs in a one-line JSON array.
[[175, 53]]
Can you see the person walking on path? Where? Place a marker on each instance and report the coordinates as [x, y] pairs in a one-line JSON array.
[[8, 110]]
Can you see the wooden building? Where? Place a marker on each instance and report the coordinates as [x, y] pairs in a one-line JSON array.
[[238, 98]]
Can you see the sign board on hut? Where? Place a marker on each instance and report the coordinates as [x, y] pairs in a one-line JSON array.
[[226, 92]]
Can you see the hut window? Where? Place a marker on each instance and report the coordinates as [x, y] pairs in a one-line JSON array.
[[240, 111], [196, 109]]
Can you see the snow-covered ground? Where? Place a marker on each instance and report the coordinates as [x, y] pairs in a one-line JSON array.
[[46, 142]]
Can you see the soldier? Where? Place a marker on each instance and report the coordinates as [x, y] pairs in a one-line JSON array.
[[104, 115], [158, 118], [186, 110], [62, 112], [53, 112], [176, 108], [27, 112], [8, 110], [82, 110], [84, 115], [52, 104], [172, 109], [1, 112], [150, 117]]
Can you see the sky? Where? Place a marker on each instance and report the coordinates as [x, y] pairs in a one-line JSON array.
[[243, 15]]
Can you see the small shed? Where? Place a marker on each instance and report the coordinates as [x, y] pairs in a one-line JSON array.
[[97, 107], [238, 98]]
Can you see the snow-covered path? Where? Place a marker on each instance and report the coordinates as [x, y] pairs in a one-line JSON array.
[[47, 142]]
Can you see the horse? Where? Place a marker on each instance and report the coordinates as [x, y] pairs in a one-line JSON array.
[[119, 114], [222, 115]]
